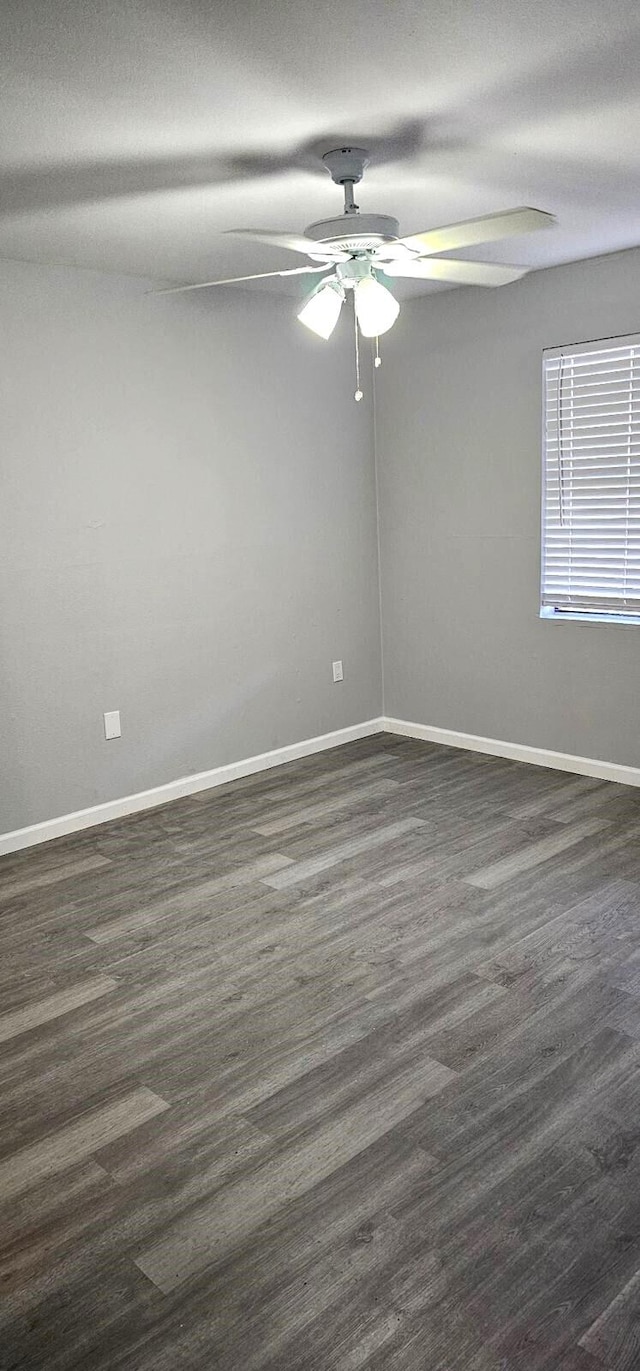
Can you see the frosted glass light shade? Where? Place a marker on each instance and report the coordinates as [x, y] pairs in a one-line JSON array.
[[321, 310], [376, 308]]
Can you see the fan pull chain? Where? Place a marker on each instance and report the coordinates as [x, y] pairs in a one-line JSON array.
[[377, 361], [358, 392]]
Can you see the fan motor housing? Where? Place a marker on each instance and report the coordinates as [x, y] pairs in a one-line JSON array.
[[355, 232]]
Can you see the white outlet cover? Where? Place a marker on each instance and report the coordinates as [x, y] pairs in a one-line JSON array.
[[112, 724], [338, 674]]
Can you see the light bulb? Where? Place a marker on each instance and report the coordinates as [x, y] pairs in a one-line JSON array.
[[376, 308], [358, 395], [321, 309]]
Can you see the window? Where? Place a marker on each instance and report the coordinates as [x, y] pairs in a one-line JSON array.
[[591, 501]]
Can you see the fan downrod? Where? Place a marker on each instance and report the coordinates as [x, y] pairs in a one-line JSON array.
[[346, 167], [352, 231]]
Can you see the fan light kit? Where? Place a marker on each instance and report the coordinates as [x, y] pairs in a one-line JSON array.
[[352, 252]]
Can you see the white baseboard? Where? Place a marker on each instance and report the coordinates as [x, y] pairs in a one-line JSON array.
[[185, 785], [517, 752], [221, 775]]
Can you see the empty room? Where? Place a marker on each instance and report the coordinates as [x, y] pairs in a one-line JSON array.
[[319, 685]]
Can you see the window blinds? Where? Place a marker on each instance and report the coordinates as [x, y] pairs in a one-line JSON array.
[[591, 508]]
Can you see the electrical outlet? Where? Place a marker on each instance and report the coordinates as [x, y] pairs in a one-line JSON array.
[[112, 727], [338, 674]]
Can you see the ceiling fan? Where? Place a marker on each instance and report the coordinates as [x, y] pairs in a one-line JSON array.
[[351, 252]]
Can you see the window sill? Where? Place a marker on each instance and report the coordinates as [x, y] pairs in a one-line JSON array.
[[575, 616]]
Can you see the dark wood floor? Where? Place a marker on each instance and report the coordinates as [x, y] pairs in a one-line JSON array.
[[337, 1067]]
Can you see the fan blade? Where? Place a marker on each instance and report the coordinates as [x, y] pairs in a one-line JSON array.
[[460, 273], [295, 242], [234, 280], [507, 224]]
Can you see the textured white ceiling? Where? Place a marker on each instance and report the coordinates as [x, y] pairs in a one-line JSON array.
[[133, 132]]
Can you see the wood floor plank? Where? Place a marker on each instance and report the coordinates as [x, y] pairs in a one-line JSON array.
[[302, 871], [536, 853], [54, 1006], [68, 871], [307, 814], [614, 1338], [156, 912], [562, 792], [76, 1141]]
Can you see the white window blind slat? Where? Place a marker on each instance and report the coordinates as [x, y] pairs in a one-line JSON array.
[[591, 506]]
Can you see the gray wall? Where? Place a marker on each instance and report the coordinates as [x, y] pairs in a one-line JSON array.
[[188, 530], [458, 444], [187, 534]]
